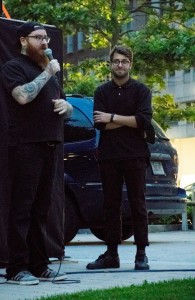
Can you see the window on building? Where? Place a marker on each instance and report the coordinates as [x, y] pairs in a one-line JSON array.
[[80, 39], [191, 103], [173, 123], [171, 78], [186, 75], [70, 45]]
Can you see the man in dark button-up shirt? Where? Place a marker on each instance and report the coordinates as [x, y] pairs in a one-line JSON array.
[[122, 110]]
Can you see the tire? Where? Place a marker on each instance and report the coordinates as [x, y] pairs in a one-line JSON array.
[[71, 220], [127, 232], [99, 233]]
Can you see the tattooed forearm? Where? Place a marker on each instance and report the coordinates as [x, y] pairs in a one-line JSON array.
[[28, 92]]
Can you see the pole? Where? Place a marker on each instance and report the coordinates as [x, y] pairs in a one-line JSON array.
[[5, 11]]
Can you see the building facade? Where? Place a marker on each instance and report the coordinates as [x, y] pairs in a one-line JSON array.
[[181, 85]]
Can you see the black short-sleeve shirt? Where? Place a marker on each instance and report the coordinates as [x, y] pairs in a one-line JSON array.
[[35, 121]]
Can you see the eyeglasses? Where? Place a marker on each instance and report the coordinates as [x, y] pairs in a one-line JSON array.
[[40, 38], [123, 62]]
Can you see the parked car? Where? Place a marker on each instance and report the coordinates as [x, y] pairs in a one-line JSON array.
[[83, 188]]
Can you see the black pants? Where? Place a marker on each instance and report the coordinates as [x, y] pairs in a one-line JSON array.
[[114, 174], [32, 169]]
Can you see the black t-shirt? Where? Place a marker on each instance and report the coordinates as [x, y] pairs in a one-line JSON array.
[[131, 99], [35, 121]]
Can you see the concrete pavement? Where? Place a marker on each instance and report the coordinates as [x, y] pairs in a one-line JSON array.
[[171, 256]]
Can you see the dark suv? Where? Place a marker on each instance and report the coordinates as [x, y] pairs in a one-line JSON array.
[[83, 189]]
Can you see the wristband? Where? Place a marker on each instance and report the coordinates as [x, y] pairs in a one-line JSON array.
[[111, 118]]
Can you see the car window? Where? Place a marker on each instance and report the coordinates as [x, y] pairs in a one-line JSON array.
[[78, 127]]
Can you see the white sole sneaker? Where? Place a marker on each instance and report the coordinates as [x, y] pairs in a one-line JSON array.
[[23, 278], [30, 282], [57, 278]]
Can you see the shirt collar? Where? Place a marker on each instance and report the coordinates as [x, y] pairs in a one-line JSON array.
[[124, 86]]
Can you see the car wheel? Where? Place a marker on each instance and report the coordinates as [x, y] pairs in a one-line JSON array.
[[99, 233], [71, 220], [127, 232]]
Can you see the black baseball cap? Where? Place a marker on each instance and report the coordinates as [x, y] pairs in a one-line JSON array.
[[28, 27]]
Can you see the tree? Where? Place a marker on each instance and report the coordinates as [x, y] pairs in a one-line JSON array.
[[166, 42], [85, 78], [165, 111], [108, 20]]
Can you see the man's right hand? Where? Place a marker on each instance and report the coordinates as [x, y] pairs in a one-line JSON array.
[[53, 67]]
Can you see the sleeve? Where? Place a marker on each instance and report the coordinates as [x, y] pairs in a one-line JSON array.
[[12, 76], [144, 108]]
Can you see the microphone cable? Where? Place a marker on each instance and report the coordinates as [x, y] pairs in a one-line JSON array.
[[63, 281]]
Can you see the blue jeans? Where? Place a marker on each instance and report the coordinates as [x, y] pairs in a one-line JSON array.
[[113, 175]]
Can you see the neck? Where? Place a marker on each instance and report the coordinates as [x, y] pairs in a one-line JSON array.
[[120, 81], [23, 51]]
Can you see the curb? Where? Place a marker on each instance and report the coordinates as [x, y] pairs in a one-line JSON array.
[[151, 228]]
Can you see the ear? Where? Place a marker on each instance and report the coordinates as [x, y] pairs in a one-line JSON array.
[[131, 64], [23, 41]]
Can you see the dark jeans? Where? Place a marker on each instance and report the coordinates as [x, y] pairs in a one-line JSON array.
[[32, 169], [114, 174]]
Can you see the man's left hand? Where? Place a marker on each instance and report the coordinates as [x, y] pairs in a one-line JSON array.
[[61, 106]]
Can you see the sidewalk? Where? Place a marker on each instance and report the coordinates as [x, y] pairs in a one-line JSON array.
[[171, 256]]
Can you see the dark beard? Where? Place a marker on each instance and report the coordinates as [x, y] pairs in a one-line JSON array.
[[120, 76], [40, 60]]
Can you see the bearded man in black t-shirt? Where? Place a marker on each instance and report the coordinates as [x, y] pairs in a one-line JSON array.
[[36, 109]]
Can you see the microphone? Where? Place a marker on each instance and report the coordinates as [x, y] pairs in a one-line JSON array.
[[48, 53]]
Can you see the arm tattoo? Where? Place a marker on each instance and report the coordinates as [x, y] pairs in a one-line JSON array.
[[28, 92]]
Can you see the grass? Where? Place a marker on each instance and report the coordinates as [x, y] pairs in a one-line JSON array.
[[166, 290]]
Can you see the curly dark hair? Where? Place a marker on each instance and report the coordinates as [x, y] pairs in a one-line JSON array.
[[122, 50]]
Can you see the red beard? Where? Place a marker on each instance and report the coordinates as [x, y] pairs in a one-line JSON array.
[[38, 58]]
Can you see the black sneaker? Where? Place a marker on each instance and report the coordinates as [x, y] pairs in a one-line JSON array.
[[50, 275], [141, 263], [104, 261], [23, 278]]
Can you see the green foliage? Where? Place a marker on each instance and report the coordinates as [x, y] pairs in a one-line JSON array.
[[107, 20], [81, 84], [159, 47], [166, 110], [165, 43], [86, 15], [85, 78]]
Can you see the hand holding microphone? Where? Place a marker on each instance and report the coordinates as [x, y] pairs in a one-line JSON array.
[[53, 66], [60, 105]]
